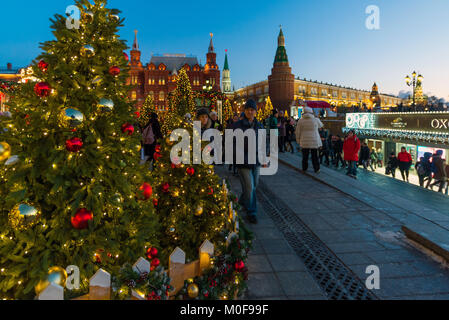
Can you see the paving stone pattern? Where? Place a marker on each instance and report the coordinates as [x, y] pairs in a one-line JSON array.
[[360, 223]]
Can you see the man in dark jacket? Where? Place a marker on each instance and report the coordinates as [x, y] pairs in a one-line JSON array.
[[439, 170], [365, 156], [338, 149], [249, 173]]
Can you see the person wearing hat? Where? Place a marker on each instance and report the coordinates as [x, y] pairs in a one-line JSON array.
[[203, 116], [248, 173], [215, 123], [308, 138]]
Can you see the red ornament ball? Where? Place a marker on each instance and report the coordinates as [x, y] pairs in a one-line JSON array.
[[128, 128], [81, 219], [173, 166], [147, 190], [155, 262], [157, 148], [155, 202], [125, 55], [239, 266], [190, 171], [43, 65], [115, 71], [42, 89], [137, 114], [211, 191], [157, 156], [74, 144], [166, 187], [152, 253]]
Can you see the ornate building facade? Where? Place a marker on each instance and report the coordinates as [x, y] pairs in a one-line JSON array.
[[158, 77], [286, 92], [6, 75]]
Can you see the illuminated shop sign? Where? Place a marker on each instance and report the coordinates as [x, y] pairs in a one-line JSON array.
[[431, 122]]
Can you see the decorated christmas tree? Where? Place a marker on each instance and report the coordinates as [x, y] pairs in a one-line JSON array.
[[180, 102], [194, 205], [264, 112], [147, 109], [228, 112], [71, 190], [189, 199]]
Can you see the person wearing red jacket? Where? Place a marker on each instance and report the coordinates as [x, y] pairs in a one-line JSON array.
[[351, 148], [405, 161]]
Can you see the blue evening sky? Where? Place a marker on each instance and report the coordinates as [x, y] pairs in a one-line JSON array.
[[326, 40]]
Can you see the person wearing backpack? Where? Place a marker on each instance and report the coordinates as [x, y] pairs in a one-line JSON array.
[[150, 134], [439, 172], [421, 171], [427, 169]]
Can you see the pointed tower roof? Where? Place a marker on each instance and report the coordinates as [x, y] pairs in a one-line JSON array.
[[211, 45], [281, 38], [135, 44], [226, 65], [281, 53]]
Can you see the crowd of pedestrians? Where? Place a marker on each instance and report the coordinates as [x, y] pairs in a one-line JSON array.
[[346, 152]]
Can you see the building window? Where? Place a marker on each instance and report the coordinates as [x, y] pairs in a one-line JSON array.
[[151, 81], [324, 92], [161, 96], [265, 89], [258, 91], [134, 95], [161, 81], [151, 94], [344, 95]]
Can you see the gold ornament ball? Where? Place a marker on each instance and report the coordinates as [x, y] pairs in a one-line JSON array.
[[168, 141], [56, 275], [88, 16], [5, 151], [97, 80], [23, 216], [71, 117], [106, 104], [175, 192], [115, 17], [199, 211], [193, 290], [87, 51]]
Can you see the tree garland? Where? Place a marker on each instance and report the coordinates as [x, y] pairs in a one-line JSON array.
[[153, 285], [227, 277]]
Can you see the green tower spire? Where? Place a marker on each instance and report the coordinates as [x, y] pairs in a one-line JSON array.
[[281, 53], [226, 65]]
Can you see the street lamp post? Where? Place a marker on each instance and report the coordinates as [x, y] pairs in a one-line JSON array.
[[413, 82]]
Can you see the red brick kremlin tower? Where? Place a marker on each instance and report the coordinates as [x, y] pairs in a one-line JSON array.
[[281, 82]]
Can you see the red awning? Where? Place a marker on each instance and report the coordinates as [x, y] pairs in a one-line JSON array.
[[318, 104]]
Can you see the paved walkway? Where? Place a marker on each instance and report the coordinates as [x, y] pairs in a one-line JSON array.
[[359, 222], [276, 272], [408, 191]]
